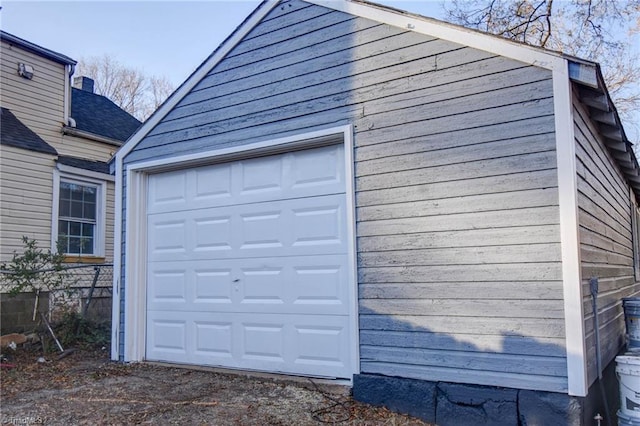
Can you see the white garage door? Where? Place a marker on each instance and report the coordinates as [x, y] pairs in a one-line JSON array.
[[247, 265]]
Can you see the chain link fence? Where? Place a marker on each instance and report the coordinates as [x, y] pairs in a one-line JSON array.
[[87, 292]]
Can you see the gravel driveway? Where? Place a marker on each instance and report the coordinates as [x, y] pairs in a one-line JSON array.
[[86, 388]]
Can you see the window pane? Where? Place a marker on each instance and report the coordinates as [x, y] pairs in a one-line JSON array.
[[65, 208], [65, 192], [90, 194], [63, 227], [89, 211], [74, 228], [74, 245], [76, 209], [87, 246], [87, 230], [76, 192]]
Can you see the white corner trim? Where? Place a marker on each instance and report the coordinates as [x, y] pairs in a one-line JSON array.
[[117, 261], [352, 247], [446, 31], [569, 233], [198, 75], [135, 270], [85, 173]]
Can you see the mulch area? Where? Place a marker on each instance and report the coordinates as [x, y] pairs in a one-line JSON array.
[[87, 388]]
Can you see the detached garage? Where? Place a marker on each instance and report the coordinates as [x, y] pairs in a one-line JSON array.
[[347, 191]]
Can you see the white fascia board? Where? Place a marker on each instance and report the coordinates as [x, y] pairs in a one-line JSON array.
[[445, 31], [195, 78], [569, 233], [85, 173]]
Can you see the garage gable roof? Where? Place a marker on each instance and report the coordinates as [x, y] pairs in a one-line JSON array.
[[585, 74], [420, 24]]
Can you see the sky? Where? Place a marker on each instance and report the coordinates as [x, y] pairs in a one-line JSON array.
[[162, 38]]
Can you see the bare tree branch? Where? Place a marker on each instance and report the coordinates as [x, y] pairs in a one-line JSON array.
[[129, 88], [603, 31]]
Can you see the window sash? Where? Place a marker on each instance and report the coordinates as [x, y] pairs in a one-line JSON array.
[[77, 217]]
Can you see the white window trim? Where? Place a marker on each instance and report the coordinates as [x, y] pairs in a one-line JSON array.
[[101, 210]]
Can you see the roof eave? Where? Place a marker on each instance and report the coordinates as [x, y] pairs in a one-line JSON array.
[[39, 50], [72, 131], [592, 92]]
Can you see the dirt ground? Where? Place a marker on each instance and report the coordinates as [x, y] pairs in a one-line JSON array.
[[87, 388]]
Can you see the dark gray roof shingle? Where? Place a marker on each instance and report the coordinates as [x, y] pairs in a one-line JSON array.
[[81, 163], [14, 133], [97, 114]]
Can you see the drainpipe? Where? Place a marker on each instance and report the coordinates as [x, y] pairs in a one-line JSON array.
[[69, 70], [593, 287]]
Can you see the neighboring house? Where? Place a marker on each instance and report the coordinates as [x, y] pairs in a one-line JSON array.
[[56, 140], [346, 190]]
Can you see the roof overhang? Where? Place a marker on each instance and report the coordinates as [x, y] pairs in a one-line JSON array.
[[587, 75], [39, 50], [72, 131], [593, 93]]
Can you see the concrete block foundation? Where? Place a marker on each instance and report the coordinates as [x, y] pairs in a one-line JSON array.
[[474, 405]]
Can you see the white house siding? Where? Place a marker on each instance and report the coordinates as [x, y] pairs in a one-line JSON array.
[[25, 199], [85, 148], [456, 188], [606, 247], [39, 102]]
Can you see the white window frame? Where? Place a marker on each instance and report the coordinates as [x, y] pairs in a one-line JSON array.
[[79, 177]]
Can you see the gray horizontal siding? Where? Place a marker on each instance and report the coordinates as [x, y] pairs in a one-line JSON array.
[[606, 239], [456, 184]]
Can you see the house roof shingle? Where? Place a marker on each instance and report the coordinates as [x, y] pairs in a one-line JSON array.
[[97, 114], [14, 133], [82, 163]]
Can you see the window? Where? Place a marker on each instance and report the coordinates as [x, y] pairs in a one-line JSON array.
[[78, 227], [77, 213]]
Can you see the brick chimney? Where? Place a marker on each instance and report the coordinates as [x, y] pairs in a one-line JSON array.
[[84, 83]]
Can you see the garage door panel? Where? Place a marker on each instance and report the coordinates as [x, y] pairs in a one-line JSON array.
[[167, 335], [213, 339], [248, 265], [212, 286], [312, 284], [210, 234], [309, 226], [168, 191], [262, 176], [320, 168], [169, 286], [211, 185], [300, 174], [167, 237], [280, 343]]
